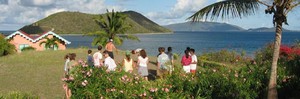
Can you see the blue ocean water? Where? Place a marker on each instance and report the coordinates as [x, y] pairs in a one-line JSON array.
[[200, 41]]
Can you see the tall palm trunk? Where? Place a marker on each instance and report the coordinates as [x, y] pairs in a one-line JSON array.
[[279, 18], [272, 91]]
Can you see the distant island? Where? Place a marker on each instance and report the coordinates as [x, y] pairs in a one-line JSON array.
[[80, 23], [203, 26], [266, 29], [217, 27]]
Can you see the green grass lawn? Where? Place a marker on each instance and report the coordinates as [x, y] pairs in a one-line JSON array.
[[34, 72], [40, 72]]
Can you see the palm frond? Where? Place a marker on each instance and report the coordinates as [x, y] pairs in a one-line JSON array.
[[118, 40], [42, 43], [226, 9], [130, 37]]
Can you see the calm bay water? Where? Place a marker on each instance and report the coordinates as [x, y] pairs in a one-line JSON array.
[[200, 41]]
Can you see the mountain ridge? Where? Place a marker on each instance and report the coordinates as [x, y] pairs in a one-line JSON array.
[[203, 26], [81, 23], [218, 27]]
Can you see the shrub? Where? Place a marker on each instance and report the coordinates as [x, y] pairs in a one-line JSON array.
[[222, 58], [288, 69], [5, 47], [28, 49], [218, 82]]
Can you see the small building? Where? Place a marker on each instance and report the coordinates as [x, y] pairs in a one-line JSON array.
[[21, 40]]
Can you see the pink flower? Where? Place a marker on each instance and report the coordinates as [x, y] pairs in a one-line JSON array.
[[113, 89], [236, 75], [214, 70], [136, 78], [83, 84], [145, 94], [167, 90], [64, 79], [88, 74], [84, 65], [123, 78], [71, 78], [153, 89]]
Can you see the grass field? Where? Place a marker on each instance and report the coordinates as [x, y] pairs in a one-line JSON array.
[[39, 72]]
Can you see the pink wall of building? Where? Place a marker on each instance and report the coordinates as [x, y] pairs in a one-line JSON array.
[[17, 40]]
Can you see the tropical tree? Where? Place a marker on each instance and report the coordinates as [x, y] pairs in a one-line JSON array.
[[5, 47], [113, 27], [242, 8], [50, 43]]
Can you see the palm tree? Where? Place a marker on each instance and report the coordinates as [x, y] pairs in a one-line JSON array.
[[114, 27], [5, 47], [242, 8], [50, 43]]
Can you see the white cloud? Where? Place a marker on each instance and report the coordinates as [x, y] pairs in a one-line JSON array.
[[23, 12], [178, 12], [31, 3]]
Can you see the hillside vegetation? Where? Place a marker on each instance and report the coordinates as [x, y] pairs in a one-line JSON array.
[[80, 23]]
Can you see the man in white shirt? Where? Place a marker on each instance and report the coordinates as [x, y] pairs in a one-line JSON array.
[[194, 61], [109, 62], [162, 63], [98, 57]]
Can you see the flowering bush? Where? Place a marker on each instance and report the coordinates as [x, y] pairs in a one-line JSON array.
[[219, 78], [288, 80], [223, 56], [289, 53], [218, 82]]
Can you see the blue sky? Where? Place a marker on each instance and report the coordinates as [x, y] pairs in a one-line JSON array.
[[17, 13]]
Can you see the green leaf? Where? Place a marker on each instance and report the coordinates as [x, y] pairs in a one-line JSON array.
[[226, 9]]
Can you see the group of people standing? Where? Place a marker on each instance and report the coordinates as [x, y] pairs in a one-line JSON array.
[[164, 62], [189, 61]]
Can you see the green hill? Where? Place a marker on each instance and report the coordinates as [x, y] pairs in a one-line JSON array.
[[80, 23]]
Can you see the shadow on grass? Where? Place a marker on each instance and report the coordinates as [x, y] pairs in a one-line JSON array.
[[152, 74]]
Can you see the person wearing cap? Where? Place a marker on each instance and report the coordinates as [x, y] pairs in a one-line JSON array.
[[128, 63], [109, 62], [110, 47]]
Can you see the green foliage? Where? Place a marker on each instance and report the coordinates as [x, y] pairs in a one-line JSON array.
[[114, 27], [226, 9], [208, 82], [288, 80], [28, 49], [18, 95], [223, 57], [82, 23], [51, 43], [5, 47]]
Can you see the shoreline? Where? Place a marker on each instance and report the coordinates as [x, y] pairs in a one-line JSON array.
[[119, 34]]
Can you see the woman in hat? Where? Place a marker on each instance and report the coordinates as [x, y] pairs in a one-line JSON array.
[[128, 63]]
